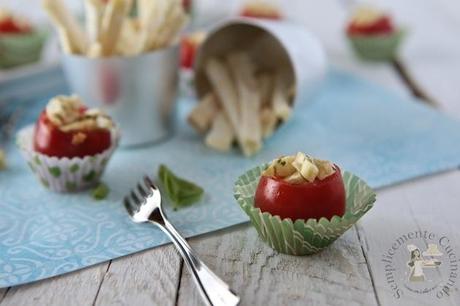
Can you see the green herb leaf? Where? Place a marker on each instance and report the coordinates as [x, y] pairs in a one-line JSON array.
[[100, 192], [181, 192]]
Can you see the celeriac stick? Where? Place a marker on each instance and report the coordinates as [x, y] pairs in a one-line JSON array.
[[202, 115], [144, 10], [243, 71], [280, 102], [129, 40], [112, 21], [221, 135], [66, 44], [94, 50], [152, 16], [265, 81], [268, 121], [93, 17], [172, 25], [169, 6], [222, 82], [74, 37]]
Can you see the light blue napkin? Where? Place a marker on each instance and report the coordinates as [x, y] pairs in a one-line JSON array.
[[367, 130]]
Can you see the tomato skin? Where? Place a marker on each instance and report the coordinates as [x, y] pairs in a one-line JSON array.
[[8, 25], [321, 198], [383, 25], [187, 53], [51, 141]]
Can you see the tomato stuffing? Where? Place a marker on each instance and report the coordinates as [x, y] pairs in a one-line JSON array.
[[320, 198], [51, 141]]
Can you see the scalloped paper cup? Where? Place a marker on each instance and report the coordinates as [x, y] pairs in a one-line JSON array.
[[377, 47], [64, 174], [303, 237]]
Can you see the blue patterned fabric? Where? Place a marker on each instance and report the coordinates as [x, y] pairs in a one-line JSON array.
[[381, 137]]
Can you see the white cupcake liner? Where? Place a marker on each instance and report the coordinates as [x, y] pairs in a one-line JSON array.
[[64, 174]]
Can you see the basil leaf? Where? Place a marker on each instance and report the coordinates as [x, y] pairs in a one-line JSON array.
[[179, 191]]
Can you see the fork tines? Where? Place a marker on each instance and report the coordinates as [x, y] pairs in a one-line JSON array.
[[138, 195]]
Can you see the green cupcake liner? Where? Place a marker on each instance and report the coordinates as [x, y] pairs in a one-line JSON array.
[[377, 47], [303, 237], [20, 49]]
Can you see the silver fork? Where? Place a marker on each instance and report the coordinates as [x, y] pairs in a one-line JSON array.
[[144, 205]]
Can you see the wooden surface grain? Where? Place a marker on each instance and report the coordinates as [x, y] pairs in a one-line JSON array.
[[336, 276], [148, 278], [350, 272]]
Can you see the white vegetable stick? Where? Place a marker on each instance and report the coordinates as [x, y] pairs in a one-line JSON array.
[[268, 121], [280, 102], [74, 37], [129, 39], [174, 23], [152, 17], [221, 135], [66, 44], [112, 21], [168, 10], [265, 81], [243, 71], [94, 50], [223, 85], [128, 7], [172, 35], [144, 9], [93, 17], [202, 115]]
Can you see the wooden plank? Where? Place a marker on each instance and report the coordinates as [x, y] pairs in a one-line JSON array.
[[261, 276], [147, 278], [3, 292], [77, 288]]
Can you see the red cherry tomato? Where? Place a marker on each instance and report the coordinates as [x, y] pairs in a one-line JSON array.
[[383, 25], [51, 141], [321, 198], [187, 53], [9, 26]]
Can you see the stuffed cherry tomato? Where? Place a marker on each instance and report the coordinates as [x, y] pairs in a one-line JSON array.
[[301, 187], [367, 21], [67, 129], [381, 25]]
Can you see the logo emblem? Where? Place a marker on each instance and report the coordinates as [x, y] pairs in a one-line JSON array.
[[421, 263]]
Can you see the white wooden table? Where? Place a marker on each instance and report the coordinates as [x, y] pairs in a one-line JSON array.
[[351, 271]]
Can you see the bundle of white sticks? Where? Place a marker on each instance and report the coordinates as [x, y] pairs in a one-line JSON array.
[[110, 30], [245, 105]]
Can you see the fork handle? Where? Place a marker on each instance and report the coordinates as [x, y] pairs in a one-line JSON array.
[[212, 289]]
